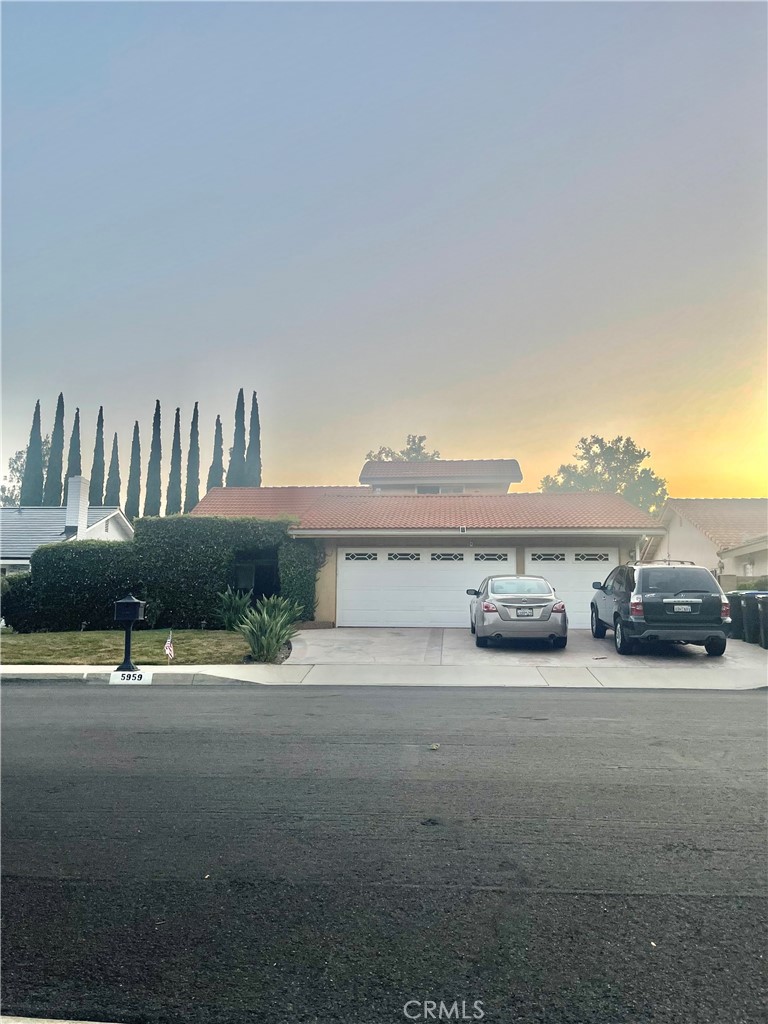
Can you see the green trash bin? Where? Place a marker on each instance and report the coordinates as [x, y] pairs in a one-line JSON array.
[[762, 615], [750, 615], [737, 620]]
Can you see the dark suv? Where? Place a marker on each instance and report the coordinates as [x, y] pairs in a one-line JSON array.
[[674, 601]]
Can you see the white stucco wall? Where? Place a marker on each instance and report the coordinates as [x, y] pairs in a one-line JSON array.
[[684, 541]]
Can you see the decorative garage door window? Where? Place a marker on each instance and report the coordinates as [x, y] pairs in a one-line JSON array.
[[548, 556], [403, 556], [591, 556], [491, 556], [360, 556], [447, 556]]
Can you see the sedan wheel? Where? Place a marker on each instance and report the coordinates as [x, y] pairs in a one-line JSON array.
[[598, 629], [623, 644], [481, 641], [559, 642]]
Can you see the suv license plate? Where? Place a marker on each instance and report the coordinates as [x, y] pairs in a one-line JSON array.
[[521, 612], [682, 608]]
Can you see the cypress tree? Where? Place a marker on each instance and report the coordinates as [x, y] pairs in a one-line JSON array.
[[133, 493], [52, 490], [253, 455], [154, 488], [173, 494], [32, 481], [216, 472], [74, 467], [236, 471], [112, 497], [192, 489], [96, 488]]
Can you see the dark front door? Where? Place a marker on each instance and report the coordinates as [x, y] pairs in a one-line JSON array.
[[257, 571]]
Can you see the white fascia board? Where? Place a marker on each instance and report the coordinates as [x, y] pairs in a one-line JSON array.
[[750, 548], [455, 532]]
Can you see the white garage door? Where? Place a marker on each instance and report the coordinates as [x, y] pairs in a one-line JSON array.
[[409, 586], [571, 572]]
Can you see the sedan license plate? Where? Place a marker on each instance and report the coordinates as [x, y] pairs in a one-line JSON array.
[[682, 608], [521, 612]]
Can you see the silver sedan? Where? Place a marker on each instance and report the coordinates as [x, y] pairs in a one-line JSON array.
[[511, 607]]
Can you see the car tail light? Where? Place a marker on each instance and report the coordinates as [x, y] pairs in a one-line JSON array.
[[725, 609], [489, 606], [559, 607], [636, 606]]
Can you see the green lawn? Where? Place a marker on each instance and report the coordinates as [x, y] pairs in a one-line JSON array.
[[191, 647]]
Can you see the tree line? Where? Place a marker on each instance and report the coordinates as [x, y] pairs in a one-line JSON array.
[[35, 473]]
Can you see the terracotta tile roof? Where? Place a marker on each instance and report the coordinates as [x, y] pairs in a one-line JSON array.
[[448, 469], [359, 509], [265, 502], [727, 522]]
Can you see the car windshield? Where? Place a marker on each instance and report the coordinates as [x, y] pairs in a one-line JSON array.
[[668, 580], [518, 586]]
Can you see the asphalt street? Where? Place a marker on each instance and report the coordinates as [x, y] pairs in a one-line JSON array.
[[228, 855]]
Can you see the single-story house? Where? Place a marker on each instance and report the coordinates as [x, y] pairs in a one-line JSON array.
[[408, 559], [24, 529], [727, 535]]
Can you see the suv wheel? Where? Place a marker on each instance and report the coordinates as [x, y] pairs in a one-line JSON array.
[[715, 648], [481, 641], [598, 629], [623, 644]]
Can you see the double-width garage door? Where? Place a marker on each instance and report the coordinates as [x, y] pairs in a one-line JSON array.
[[410, 586], [571, 572]]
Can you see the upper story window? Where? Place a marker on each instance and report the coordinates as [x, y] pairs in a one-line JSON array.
[[432, 489]]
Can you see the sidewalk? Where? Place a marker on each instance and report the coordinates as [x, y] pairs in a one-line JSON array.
[[448, 657]]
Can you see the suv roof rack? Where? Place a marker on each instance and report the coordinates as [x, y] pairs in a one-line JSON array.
[[661, 561]]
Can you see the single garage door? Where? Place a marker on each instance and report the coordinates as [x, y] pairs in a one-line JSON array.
[[571, 572], [411, 586]]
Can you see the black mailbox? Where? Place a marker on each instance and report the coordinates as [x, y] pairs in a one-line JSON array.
[[129, 609]]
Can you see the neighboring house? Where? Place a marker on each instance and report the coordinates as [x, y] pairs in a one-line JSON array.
[[442, 476], [727, 535], [24, 529], [407, 559]]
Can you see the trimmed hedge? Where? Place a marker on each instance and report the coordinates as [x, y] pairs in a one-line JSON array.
[[19, 608], [178, 564], [79, 581]]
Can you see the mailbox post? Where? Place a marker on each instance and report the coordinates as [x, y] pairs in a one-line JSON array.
[[128, 611]]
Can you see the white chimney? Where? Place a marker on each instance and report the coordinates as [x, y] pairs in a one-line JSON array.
[[76, 521]]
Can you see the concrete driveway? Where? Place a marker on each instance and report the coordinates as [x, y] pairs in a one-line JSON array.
[[416, 646]]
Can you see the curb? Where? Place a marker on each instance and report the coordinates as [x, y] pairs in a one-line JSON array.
[[414, 676]]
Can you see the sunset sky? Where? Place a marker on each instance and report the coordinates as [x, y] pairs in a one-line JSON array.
[[501, 225]]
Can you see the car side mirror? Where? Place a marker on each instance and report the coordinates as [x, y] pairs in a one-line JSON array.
[[472, 593], [597, 585]]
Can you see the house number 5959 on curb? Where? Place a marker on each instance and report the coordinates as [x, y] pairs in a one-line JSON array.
[[137, 678]]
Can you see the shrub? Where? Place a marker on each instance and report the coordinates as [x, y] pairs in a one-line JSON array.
[[179, 565], [299, 562], [233, 604], [79, 581], [19, 603], [270, 626], [187, 561], [756, 583]]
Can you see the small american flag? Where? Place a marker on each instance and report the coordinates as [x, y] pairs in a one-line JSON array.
[[169, 646]]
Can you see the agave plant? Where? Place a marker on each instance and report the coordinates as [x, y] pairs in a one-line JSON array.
[[269, 627], [233, 604]]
